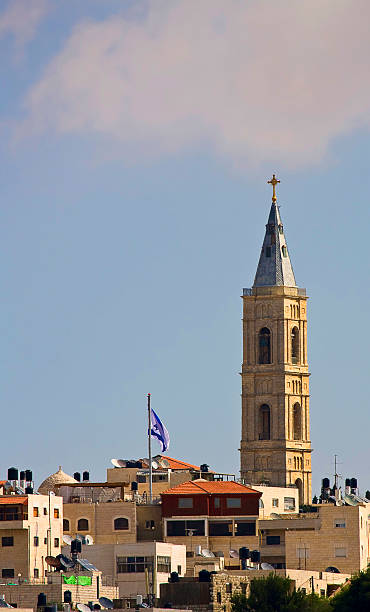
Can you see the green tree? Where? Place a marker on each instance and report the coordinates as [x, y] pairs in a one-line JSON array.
[[354, 596], [276, 594]]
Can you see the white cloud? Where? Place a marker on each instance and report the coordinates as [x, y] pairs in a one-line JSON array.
[[255, 80], [20, 19]]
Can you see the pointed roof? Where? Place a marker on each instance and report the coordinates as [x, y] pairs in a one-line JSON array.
[[274, 266]]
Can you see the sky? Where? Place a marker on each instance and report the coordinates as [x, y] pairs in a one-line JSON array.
[[136, 141]]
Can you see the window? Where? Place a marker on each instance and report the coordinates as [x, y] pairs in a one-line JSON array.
[[45, 511], [268, 251], [272, 540], [83, 524], [219, 597], [56, 512], [182, 528], [45, 540], [35, 511], [120, 523], [322, 592], [141, 478], [179, 569], [35, 572], [133, 565], [7, 541], [149, 525], [341, 523], [264, 344], [216, 501], [164, 564], [297, 423], [233, 502], [185, 502], [264, 422], [275, 503], [295, 344], [56, 542], [281, 230], [284, 251], [289, 503], [36, 541], [65, 525], [220, 528], [245, 528], [7, 573], [229, 588], [340, 552]]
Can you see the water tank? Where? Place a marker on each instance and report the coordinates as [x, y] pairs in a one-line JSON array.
[[325, 483], [353, 483], [255, 556], [244, 553], [76, 546], [204, 467], [22, 475], [134, 485], [348, 482], [174, 577], [198, 550], [41, 600], [86, 476], [67, 597], [28, 490], [29, 475], [12, 473], [204, 576], [77, 476]]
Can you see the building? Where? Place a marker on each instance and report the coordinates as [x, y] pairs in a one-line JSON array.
[[217, 516], [280, 500], [275, 444]]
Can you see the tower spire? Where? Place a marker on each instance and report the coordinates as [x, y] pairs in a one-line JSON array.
[[274, 266]]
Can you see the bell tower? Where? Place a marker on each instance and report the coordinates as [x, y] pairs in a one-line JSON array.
[[275, 445]]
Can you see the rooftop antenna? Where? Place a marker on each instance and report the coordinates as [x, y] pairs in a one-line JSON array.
[[336, 475]]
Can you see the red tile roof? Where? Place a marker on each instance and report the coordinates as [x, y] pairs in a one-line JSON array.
[[176, 464], [13, 499], [207, 487]]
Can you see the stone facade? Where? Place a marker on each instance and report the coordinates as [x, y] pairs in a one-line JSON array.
[[100, 519]]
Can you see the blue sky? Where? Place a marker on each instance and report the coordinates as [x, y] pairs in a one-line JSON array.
[[136, 142]]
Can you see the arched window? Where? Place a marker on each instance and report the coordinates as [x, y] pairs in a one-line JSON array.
[[285, 251], [295, 344], [83, 525], [264, 345], [297, 422], [264, 422], [65, 525], [120, 523]]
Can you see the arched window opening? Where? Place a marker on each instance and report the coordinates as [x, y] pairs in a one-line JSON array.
[[264, 343], [285, 251], [264, 422], [120, 523], [297, 422], [65, 525], [295, 344], [295, 463], [83, 525]]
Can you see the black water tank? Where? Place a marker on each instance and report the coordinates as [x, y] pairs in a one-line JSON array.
[[51, 608], [86, 476], [29, 490], [41, 600], [204, 576], [134, 485], [76, 546], [29, 475], [204, 467], [353, 483], [255, 556], [12, 474], [77, 476], [325, 483], [22, 475], [244, 553], [174, 577], [348, 482], [67, 597]]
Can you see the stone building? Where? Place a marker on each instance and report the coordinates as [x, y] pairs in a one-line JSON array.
[[275, 444]]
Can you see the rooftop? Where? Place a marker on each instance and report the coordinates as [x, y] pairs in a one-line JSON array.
[[209, 487]]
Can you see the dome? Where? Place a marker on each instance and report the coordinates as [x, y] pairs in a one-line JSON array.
[[58, 478]]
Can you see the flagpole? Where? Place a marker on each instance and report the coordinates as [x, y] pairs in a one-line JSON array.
[[150, 452]]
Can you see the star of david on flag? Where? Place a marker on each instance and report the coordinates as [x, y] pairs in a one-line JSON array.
[[159, 431]]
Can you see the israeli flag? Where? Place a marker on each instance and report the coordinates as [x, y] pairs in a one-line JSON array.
[[159, 431]]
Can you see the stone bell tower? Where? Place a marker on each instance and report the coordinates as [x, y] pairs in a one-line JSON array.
[[275, 445]]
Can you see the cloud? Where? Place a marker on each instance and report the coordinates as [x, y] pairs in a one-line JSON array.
[[21, 19], [254, 81]]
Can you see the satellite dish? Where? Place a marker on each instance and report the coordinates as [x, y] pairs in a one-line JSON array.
[[122, 463], [164, 463], [219, 553], [52, 561], [234, 554], [116, 464], [267, 566], [207, 553], [349, 500], [65, 562], [274, 515], [83, 608], [106, 603], [248, 567], [67, 539], [332, 570], [155, 465], [89, 540], [80, 538]]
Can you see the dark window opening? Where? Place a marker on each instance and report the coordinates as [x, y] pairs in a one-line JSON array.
[[297, 422], [185, 528], [65, 525], [220, 528], [246, 528], [295, 344], [36, 541], [268, 251], [7, 541], [264, 345], [272, 540], [264, 422], [285, 251], [120, 523], [83, 525], [7, 573]]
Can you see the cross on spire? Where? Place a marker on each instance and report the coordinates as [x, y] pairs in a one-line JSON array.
[[274, 181]]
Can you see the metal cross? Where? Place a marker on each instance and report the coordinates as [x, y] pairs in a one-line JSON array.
[[274, 181]]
